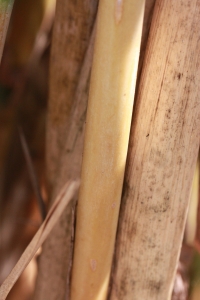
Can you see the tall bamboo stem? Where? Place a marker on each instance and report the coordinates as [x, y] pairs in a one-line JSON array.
[[112, 87], [197, 234], [72, 30], [73, 25], [163, 152]]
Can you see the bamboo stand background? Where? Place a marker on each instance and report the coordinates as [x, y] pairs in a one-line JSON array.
[[154, 288]]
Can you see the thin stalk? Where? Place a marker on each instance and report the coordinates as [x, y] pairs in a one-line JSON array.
[[114, 71], [32, 173], [197, 234], [5, 13], [191, 227]]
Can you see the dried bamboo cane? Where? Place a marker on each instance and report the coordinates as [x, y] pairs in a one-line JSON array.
[[197, 235], [163, 152], [70, 165], [191, 227], [72, 30], [59, 244], [5, 13], [73, 25], [119, 29], [148, 13]]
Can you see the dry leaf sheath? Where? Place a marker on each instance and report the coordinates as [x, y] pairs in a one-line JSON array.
[[71, 35], [119, 28], [163, 150], [72, 29]]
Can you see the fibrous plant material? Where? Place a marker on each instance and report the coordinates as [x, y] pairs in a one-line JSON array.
[[73, 25], [112, 87], [191, 227], [5, 13], [70, 168], [148, 13], [162, 155], [72, 31], [197, 235]]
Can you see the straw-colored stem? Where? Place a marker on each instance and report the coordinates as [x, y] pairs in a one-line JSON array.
[[73, 25], [70, 167], [164, 145], [115, 63], [191, 228], [72, 30], [5, 13], [197, 234]]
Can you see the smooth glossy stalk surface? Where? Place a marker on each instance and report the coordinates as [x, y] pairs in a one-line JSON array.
[[112, 88]]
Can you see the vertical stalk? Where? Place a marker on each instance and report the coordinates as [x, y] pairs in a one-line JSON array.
[[197, 234], [5, 13], [162, 156], [73, 25], [117, 45], [191, 226]]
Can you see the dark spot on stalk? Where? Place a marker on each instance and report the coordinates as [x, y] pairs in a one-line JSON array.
[[155, 286], [179, 76]]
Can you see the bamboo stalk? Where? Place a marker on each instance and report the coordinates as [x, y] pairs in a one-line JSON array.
[[67, 70], [70, 165], [60, 241], [197, 234], [163, 152], [5, 13], [191, 223], [148, 13], [73, 25], [115, 63]]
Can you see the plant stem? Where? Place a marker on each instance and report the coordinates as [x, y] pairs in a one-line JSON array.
[[115, 63], [69, 47], [162, 156]]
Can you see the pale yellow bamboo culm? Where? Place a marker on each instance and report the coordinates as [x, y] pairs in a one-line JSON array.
[[113, 78]]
